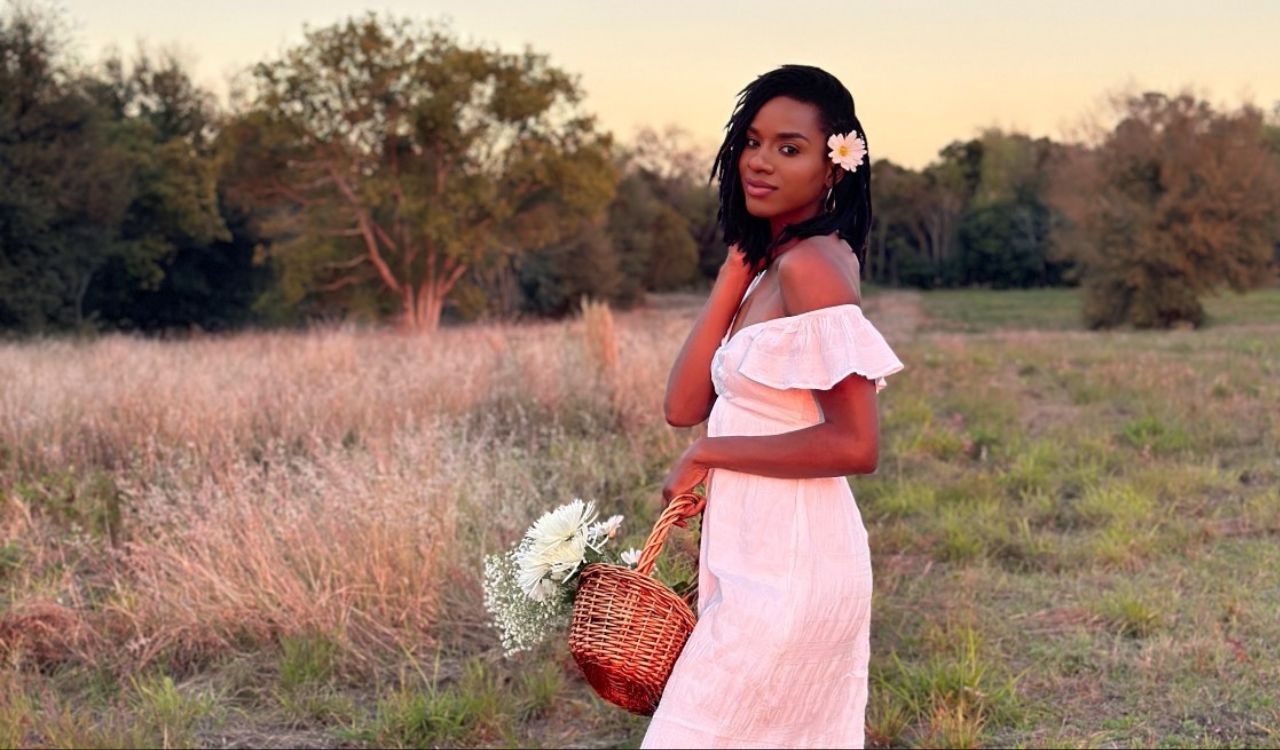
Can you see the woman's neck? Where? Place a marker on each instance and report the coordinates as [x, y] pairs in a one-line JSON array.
[[778, 223]]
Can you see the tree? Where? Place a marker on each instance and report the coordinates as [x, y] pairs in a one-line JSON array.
[[162, 124], [1174, 202], [652, 239], [95, 196], [554, 278], [898, 248], [63, 190], [396, 157], [1004, 234], [952, 181]]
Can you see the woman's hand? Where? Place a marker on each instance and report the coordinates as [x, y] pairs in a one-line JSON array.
[[686, 474], [734, 269]]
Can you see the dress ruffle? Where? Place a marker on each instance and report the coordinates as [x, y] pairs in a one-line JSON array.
[[818, 349]]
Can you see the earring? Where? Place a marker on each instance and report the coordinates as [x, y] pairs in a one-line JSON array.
[[830, 206]]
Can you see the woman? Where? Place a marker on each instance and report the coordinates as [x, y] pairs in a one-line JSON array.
[[788, 380]]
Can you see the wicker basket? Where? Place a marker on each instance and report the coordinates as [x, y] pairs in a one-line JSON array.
[[628, 629]]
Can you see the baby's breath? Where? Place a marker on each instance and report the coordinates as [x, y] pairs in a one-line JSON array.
[[529, 590], [522, 622]]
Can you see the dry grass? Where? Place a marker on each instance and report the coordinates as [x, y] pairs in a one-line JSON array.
[[1070, 530], [273, 483]]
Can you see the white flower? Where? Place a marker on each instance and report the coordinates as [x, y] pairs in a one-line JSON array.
[[544, 590], [847, 150], [554, 546], [562, 525], [560, 560], [631, 557], [608, 529], [530, 574]]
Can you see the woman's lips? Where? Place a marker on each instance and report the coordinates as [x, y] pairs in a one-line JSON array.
[[757, 190]]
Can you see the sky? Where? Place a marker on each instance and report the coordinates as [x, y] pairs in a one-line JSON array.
[[922, 74]]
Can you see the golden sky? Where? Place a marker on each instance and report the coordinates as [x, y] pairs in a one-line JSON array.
[[922, 73]]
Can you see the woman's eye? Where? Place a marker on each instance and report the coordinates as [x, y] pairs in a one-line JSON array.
[[751, 142], [792, 152]]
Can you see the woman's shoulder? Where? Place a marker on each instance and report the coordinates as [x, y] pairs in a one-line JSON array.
[[818, 272]]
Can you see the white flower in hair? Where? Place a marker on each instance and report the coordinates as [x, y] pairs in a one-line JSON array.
[[847, 150]]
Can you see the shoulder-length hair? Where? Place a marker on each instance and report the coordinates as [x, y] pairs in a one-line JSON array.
[[851, 215]]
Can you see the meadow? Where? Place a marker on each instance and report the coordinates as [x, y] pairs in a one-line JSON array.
[[275, 538]]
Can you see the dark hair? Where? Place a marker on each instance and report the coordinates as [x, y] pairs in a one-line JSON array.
[[851, 216]]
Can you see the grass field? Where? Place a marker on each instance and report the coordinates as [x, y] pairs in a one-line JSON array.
[[274, 539]]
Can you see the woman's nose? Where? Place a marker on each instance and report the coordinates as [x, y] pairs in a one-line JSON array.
[[758, 164]]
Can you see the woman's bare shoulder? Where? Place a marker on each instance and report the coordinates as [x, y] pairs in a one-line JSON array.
[[818, 272]]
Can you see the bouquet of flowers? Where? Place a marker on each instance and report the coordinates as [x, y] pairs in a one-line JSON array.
[[529, 590]]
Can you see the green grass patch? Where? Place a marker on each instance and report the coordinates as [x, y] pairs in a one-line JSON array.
[[1130, 613], [978, 310], [949, 696], [307, 660], [1152, 433]]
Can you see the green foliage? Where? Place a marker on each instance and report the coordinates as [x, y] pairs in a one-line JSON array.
[[389, 157], [167, 713], [1146, 215], [540, 687], [556, 277], [64, 189], [654, 245], [102, 183], [1005, 245], [955, 691], [978, 214]]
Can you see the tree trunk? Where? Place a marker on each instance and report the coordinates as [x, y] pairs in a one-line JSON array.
[[408, 310]]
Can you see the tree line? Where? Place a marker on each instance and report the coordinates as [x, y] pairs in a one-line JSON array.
[[383, 170]]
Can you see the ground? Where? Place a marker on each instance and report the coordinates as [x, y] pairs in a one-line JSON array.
[[274, 539]]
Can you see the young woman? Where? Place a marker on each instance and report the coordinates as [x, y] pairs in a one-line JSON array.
[[787, 378]]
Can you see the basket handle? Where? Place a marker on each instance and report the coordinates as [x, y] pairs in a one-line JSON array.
[[684, 505]]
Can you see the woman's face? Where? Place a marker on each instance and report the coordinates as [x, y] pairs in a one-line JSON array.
[[784, 167]]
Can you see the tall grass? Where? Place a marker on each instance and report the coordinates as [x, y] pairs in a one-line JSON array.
[[225, 492], [286, 525]]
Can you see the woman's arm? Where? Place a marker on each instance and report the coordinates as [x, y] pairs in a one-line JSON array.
[[846, 442], [690, 394]]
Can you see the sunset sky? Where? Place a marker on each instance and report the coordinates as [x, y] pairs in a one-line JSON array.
[[922, 73]]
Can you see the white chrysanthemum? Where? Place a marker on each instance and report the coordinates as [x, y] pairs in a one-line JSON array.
[[559, 559], [607, 529], [530, 574], [554, 546], [847, 150], [562, 525], [545, 589], [631, 557]]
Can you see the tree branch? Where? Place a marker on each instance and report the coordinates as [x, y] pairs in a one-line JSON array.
[[337, 284], [347, 264], [367, 229]]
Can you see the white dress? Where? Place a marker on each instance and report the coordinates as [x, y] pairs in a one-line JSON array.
[[780, 652]]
